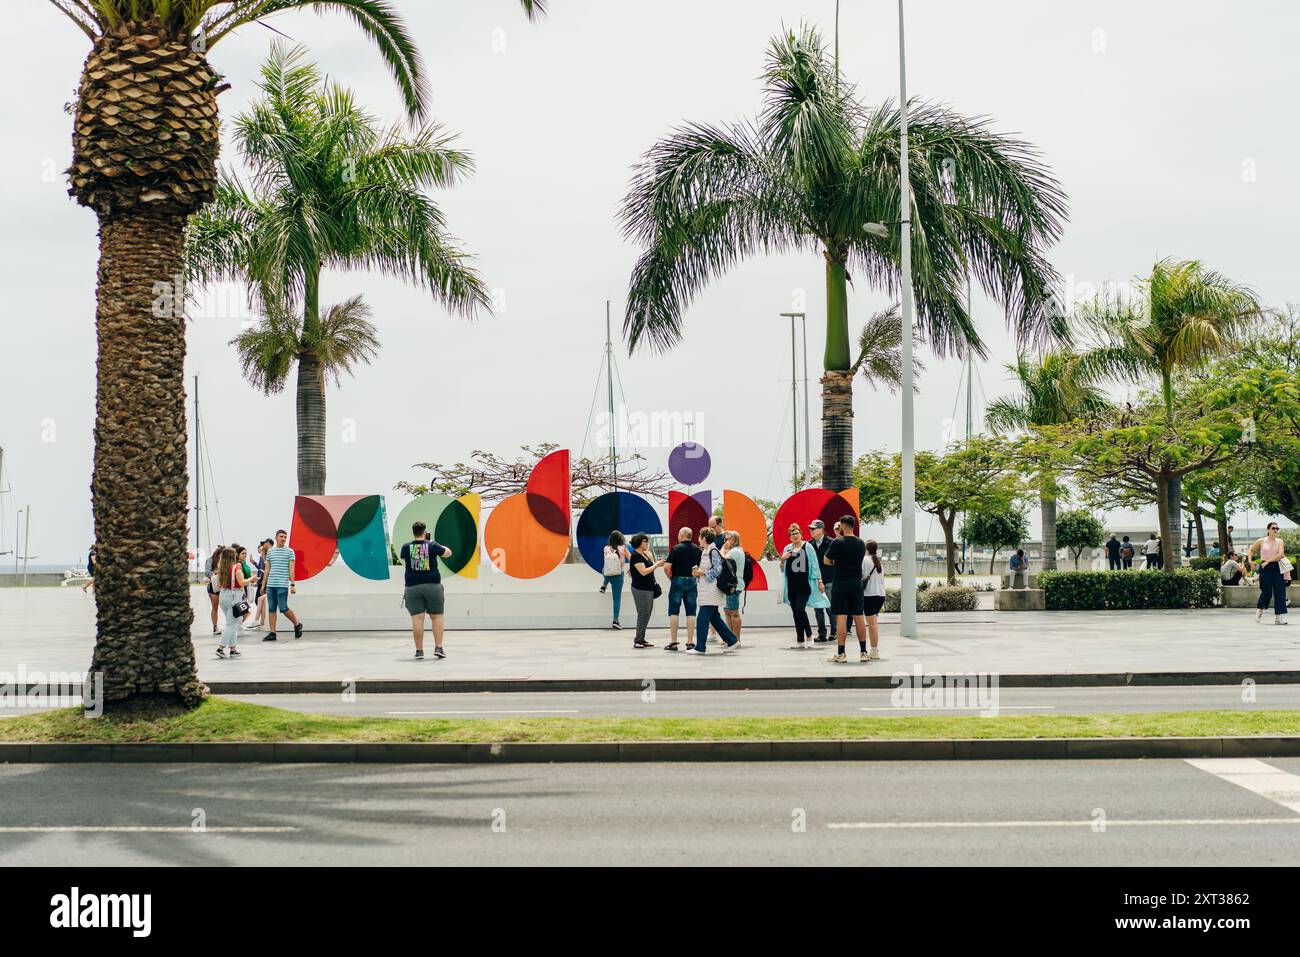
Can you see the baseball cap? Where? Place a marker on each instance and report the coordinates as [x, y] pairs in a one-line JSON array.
[[817, 523]]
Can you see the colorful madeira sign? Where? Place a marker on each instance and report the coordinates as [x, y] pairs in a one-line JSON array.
[[527, 534]]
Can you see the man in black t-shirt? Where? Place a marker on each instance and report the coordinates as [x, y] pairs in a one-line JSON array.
[[683, 559], [820, 543], [423, 595], [845, 556]]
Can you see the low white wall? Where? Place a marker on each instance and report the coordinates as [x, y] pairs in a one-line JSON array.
[[339, 600]]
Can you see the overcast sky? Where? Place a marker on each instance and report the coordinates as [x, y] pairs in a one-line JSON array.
[[1171, 124]]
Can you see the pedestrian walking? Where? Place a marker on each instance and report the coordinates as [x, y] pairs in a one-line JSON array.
[[734, 554], [802, 585], [214, 590], [247, 567], [1274, 574], [423, 594], [820, 542], [873, 596], [1152, 550], [280, 583], [642, 567], [259, 619], [229, 581], [1113, 559], [710, 598], [615, 561], [90, 569], [683, 559], [845, 557]]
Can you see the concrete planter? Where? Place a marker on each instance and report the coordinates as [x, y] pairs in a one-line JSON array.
[[1020, 599]]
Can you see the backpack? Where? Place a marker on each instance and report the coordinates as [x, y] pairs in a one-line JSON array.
[[613, 561], [749, 570], [727, 577]]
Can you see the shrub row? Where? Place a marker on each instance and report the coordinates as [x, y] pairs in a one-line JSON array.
[[1209, 561], [1184, 588], [936, 598]]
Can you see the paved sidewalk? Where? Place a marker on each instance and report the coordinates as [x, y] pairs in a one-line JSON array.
[[53, 630]]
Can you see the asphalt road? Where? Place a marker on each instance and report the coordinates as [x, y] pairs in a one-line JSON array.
[[944, 813]]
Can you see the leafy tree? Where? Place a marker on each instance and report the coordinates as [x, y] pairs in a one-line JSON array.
[[1077, 530], [1183, 315], [330, 189], [813, 174], [996, 529], [1054, 388], [976, 476]]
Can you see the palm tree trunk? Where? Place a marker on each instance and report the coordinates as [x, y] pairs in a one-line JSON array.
[[837, 383], [1047, 508], [139, 490], [311, 425]]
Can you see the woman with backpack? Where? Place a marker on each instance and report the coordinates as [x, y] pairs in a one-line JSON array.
[[229, 581], [873, 597], [615, 558], [710, 597], [801, 585], [734, 555]]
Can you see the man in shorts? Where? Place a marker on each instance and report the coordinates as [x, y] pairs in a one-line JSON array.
[[844, 556], [423, 594], [683, 558], [280, 564]]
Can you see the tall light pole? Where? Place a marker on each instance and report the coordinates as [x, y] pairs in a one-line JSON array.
[[807, 447], [907, 624], [794, 400]]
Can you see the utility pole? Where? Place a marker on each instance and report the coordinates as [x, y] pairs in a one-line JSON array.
[[807, 449], [609, 383], [27, 543], [907, 625], [794, 398]]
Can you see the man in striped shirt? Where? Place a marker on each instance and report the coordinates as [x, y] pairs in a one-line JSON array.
[[279, 583]]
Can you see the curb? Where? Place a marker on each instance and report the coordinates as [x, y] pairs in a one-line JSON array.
[[1117, 679], [609, 752]]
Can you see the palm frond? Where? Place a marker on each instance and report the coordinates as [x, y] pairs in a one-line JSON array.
[[267, 351], [880, 350], [344, 338]]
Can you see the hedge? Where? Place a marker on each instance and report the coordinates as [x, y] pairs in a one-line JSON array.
[[1184, 588], [937, 598], [1209, 561]]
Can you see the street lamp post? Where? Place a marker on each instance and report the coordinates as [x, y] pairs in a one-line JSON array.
[[794, 400], [907, 626]]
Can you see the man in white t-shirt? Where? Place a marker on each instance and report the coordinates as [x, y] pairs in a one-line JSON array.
[[1152, 551]]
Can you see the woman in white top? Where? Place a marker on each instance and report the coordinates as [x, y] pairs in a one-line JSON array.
[[615, 560], [1273, 577], [731, 607], [229, 581], [873, 596]]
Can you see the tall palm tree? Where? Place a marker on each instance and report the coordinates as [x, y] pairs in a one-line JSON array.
[[813, 174], [1181, 315], [330, 189], [145, 142], [1054, 389]]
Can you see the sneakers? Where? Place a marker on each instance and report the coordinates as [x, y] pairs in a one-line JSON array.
[[234, 653], [731, 649], [256, 626], [269, 636], [864, 657], [616, 626], [694, 651], [838, 659], [1279, 619], [297, 630], [797, 646], [439, 653], [822, 639], [642, 644], [874, 654], [221, 653], [1259, 614], [419, 655]]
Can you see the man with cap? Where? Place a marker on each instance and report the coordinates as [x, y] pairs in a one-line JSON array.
[[820, 542]]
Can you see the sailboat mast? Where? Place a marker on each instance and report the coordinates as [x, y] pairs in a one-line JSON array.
[[609, 383], [198, 479]]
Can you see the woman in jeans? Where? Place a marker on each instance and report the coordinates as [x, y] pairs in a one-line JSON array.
[[229, 581], [615, 558], [642, 569], [801, 585], [1272, 579]]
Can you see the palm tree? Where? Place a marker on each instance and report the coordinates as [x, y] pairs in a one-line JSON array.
[[814, 173], [145, 142], [330, 188], [1054, 389], [880, 350], [1182, 315]]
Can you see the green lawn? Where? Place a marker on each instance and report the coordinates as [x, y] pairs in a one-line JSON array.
[[223, 720]]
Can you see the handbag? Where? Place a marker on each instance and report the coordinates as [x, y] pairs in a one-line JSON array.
[[239, 609], [658, 590]]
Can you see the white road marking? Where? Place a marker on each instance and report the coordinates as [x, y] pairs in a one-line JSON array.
[[1155, 822], [491, 711], [127, 829], [1001, 707], [1254, 775]]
